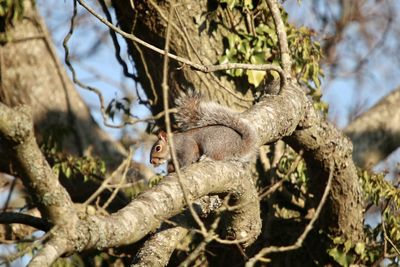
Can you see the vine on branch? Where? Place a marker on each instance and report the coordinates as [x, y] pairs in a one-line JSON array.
[[255, 41]]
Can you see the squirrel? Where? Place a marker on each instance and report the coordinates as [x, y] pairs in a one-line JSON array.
[[206, 129]]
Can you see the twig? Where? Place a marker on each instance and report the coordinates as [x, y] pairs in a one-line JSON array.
[[9, 195], [270, 190], [282, 39], [35, 244], [299, 242], [104, 185], [21, 218], [207, 239], [215, 79], [199, 67], [121, 181], [387, 238], [168, 126], [27, 38], [116, 44]]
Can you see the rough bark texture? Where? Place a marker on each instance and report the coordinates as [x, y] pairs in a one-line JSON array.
[[192, 38], [157, 250], [16, 127], [376, 133], [324, 145], [150, 27]]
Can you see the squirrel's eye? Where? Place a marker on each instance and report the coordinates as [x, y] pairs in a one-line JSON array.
[[158, 148]]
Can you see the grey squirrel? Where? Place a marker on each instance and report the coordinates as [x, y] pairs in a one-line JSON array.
[[206, 129]]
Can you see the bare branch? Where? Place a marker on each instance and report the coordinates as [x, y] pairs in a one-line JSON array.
[[376, 133], [13, 217], [281, 32], [51, 251]]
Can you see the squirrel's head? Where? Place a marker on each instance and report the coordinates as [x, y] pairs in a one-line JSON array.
[[160, 150]]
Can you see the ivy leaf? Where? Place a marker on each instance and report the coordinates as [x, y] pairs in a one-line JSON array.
[[248, 4], [360, 248], [255, 77], [340, 257]]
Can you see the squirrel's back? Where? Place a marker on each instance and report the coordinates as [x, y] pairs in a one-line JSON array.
[[231, 135]]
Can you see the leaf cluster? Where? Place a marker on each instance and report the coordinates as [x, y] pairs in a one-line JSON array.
[[254, 40], [382, 240]]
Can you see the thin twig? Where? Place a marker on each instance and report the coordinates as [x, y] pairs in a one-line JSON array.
[[199, 67], [282, 38], [168, 126], [214, 78], [387, 238], [121, 181], [105, 184], [207, 239], [35, 244]]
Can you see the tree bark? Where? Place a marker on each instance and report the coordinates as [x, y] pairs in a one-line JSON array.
[[195, 41], [150, 19], [376, 133]]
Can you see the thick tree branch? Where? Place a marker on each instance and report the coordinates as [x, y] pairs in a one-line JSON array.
[[17, 129], [165, 201], [279, 116], [323, 144], [51, 251], [158, 249], [376, 133]]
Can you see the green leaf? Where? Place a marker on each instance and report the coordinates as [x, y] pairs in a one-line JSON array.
[[68, 172], [347, 245], [255, 77], [238, 72], [248, 4], [338, 256], [360, 248], [337, 240]]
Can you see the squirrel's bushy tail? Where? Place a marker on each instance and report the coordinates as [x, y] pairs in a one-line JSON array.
[[195, 112]]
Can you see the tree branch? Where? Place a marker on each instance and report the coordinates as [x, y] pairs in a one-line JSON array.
[[164, 201], [13, 217], [16, 128], [51, 251], [376, 133], [158, 249], [323, 144], [203, 68], [300, 240], [283, 43]]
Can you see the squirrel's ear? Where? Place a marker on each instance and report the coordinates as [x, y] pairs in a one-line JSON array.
[[163, 136]]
